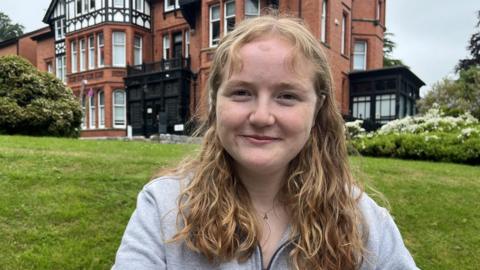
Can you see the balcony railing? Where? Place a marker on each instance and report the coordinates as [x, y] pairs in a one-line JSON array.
[[161, 66]]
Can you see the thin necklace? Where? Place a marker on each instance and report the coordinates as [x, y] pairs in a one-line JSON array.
[[265, 214]]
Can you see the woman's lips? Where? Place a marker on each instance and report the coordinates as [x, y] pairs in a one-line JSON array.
[[259, 139]]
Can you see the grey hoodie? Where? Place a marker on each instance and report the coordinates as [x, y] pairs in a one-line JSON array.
[[154, 221]]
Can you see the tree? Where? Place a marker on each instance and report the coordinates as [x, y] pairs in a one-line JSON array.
[[34, 102], [455, 97], [9, 30], [388, 47], [474, 48]]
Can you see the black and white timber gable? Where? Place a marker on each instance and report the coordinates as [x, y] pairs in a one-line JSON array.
[[81, 14]]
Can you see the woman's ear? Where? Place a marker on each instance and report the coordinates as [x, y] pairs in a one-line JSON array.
[[320, 102]]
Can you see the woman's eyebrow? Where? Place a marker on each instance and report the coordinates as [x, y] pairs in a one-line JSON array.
[[233, 83], [291, 85]]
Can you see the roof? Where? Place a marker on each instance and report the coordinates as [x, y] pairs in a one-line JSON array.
[[404, 70], [51, 8], [33, 33]]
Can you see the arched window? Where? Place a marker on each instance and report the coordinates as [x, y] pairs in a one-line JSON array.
[[119, 112], [101, 109], [91, 103]]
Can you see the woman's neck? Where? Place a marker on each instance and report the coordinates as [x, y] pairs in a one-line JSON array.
[[262, 187]]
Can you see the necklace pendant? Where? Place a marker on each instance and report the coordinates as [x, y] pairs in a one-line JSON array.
[[265, 217]]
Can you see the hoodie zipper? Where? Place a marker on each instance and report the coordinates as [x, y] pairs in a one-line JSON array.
[[279, 249]]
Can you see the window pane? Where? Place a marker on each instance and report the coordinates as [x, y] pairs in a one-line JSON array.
[[119, 98], [230, 10], [118, 3], [215, 32], [118, 37], [252, 7], [215, 12]]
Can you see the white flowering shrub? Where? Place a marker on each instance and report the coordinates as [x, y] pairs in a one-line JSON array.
[[354, 129], [432, 136]]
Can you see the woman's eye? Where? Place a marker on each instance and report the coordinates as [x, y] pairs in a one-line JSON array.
[[288, 99], [240, 95]]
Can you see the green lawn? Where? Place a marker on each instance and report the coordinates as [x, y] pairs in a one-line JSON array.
[[64, 203]]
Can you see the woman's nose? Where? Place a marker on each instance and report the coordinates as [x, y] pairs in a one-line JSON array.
[[261, 114]]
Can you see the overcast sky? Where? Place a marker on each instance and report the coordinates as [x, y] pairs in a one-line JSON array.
[[431, 35]]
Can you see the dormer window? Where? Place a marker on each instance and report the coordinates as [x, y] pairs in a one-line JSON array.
[[171, 5]]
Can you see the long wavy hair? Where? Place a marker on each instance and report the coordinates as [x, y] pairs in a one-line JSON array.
[[216, 217]]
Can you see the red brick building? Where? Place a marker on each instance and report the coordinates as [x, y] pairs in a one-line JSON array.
[[144, 63]]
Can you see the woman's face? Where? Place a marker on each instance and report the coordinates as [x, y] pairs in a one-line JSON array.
[[265, 111]]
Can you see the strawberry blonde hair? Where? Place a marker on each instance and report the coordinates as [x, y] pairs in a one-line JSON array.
[[216, 217]]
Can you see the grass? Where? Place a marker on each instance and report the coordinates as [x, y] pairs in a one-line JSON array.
[[64, 203]]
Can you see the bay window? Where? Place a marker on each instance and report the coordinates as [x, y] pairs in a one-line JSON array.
[[82, 54], [73, 47], [100, 50], [118, 49], [119, 112], [91, 52]]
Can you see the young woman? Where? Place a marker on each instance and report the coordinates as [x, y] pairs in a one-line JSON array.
[[271, 186]]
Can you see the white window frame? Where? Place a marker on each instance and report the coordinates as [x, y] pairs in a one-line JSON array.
[[362, 54], [91, 52], [60, 27], [118, 105], [226, 16], [166, 46], [83, 54], [187, 43], [101, 109], [213, 42], [251, 14], [119, 57], [169, 7], [343, 41], [73, 46], [91, 108], [137, 50], [323, 21], [100, 50]]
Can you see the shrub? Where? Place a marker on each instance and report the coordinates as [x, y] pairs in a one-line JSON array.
[[430, 137], [34, 102]]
